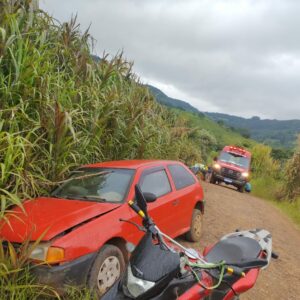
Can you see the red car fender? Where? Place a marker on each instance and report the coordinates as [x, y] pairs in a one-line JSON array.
[[86, 239]]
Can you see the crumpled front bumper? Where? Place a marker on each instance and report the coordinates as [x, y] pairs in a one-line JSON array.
[[73, 273]]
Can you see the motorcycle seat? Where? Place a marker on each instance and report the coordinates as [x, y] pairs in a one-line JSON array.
[[234, 250]]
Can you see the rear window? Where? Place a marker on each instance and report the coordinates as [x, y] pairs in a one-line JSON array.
[[181, 177]]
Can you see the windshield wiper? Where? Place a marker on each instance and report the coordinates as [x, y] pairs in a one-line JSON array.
[[78, 197], [94, 198]]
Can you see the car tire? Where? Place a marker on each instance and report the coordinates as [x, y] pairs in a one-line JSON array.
[[194, 235], [106, 269], [241, 189]]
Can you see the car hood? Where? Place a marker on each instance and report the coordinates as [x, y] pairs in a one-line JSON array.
[[232, 166], [44, 218]]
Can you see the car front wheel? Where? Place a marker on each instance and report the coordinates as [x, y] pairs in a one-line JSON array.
[[106, 270], [195, 232]]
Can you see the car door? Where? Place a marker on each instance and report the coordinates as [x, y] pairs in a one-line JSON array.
[[156, 181], [184, 193]]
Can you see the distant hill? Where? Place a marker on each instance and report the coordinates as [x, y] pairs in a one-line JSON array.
[[196, 119], [276, 133], [171, 102]]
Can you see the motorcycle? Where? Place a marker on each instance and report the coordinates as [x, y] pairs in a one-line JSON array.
[[160, 268]]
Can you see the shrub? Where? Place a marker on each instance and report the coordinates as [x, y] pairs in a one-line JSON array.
[[292, 175]]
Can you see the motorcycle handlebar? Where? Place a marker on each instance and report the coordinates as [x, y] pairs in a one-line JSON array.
[[136, 208], [235, 271]]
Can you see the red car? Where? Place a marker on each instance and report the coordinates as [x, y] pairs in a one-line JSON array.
[[82, 236]]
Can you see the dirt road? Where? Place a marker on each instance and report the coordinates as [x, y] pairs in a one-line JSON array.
[[227, 210]]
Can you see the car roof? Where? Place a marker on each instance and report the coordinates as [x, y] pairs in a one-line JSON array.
[[131, 164], [237, 150]]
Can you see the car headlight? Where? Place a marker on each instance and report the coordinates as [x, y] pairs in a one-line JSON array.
[[217, 166], [245, 174], [134, 286], [47, 254]]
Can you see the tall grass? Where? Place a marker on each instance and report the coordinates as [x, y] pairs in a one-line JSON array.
[[269, 188], [59, 108], [278, 182], [16, 282]]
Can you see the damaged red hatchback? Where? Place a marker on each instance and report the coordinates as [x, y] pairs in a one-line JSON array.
[[82, 237]]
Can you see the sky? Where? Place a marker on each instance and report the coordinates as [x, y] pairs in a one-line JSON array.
[[239, 57]]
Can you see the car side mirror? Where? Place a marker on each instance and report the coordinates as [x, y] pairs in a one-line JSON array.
[[149, 197]]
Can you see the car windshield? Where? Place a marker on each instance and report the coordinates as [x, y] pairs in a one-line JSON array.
[[96, 184], [235, 159]]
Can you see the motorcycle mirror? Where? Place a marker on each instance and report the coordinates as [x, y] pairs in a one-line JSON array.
[[149, 197], [140, 198]]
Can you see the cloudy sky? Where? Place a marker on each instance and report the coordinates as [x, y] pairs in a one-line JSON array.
[[240, 57]]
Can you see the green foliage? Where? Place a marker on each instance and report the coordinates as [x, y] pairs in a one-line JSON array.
[[268, 188], [262, 162], [291, 209], [242, 131], [16, 282], [207, 142], [281, 154], [60, 108], [292, 175]]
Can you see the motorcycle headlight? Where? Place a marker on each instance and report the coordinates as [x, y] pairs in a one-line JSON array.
[[134, 286], [46, 253], [245, 174]]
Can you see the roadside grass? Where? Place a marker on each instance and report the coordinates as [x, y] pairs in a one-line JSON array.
[[267, 188], [291, 209], [75, 293]]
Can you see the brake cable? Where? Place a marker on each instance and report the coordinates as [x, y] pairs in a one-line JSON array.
[[140, 228], [221, 265]]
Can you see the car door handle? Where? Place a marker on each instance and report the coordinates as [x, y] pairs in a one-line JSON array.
[[176, 202]]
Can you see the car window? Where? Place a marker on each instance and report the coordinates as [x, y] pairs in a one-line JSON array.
[[156, 183], [96, 184], [181, 177]]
